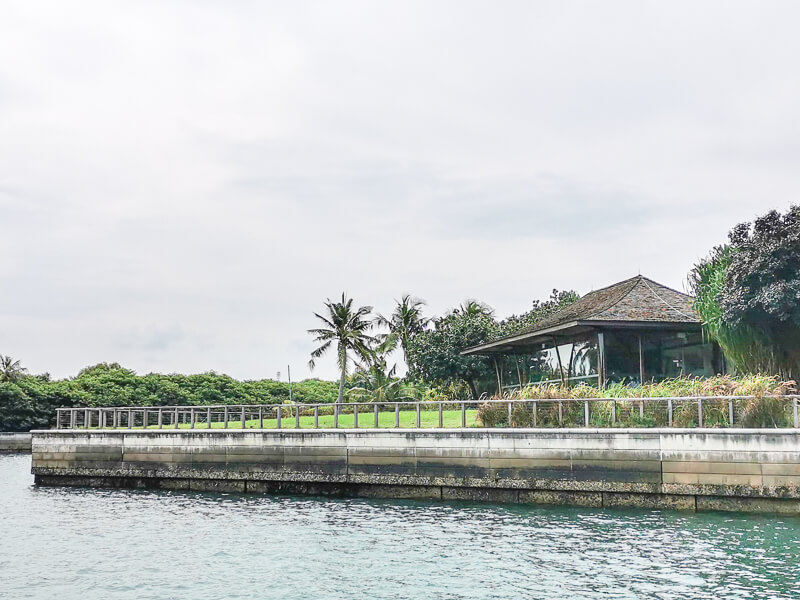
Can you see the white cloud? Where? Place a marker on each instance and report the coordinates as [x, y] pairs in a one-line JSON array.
[[183, 184]]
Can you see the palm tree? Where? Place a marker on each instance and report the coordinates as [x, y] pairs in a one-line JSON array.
[[473, 308], [405, 321], [375, 384], [347, 327], [10, 369]]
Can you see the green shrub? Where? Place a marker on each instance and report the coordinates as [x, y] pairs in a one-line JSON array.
[[492, 414]]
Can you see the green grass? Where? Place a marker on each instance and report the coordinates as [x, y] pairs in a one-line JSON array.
[[451, 419]]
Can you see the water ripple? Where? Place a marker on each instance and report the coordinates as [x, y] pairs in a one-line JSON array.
[[86, 544]]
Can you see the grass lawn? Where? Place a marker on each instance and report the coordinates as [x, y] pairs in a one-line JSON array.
[[366, 420]]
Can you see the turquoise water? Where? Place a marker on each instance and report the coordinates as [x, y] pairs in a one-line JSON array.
[[86, 544]]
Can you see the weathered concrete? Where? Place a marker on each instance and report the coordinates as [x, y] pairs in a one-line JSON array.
[[15, 442], [685, 469]]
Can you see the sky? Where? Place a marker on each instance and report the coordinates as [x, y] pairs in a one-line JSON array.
[[183, 184]]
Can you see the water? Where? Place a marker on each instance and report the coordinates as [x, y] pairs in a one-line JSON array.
[[86, 544]]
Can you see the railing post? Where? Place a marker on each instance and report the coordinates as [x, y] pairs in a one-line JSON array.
[[225, 418], [669, 411], [376, 416], [316, 417], [730, 413], [397, 416], [160, 417], [699, 412], [244, 419], [535, 411], [144, 418], [191, 418], [509, 413], [641, 409], [613, 412], [297, 416], [336, 416], [796, 414], [418, 417], [279, 416], [176, 422], [73, 419], [586, 413], [441, 417], [130, 418], [355, 415], [261, 417], [208, 418], [86, 418], [560, 413], [463, 414]]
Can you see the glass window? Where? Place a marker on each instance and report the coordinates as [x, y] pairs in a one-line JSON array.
[[577, 359], [665, 355]]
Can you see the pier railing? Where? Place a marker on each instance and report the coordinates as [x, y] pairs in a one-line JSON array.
[[695, 411]]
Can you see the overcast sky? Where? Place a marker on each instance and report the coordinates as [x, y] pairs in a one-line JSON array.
[[182, 184]]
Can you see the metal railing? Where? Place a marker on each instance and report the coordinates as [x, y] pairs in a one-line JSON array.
[[694, 411]]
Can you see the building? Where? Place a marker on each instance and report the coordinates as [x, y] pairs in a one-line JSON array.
[[633, 331]]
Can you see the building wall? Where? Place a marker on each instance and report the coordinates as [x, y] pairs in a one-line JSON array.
[[689, 469]]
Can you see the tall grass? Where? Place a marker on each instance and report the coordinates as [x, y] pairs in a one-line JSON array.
[[719, 385], [761, 410], [745, 349]]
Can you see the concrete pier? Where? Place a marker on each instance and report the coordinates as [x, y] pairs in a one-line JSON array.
[[689, 469], [15, 442]]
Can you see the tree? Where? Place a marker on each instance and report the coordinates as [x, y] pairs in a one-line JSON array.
[[10, 369], [405, 321], [762, 284], [540, 309], [748, 295], [436, 354], [347, 327]]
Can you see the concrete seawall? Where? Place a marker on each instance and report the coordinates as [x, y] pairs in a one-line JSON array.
[[15, 442], [691, 469]]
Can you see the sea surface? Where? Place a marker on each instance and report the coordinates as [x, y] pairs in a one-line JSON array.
[[69, 543]]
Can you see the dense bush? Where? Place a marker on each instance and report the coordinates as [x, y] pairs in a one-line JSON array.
[[30, 402]]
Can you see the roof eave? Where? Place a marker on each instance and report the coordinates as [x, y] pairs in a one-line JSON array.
[[521, 336], [496, 345]]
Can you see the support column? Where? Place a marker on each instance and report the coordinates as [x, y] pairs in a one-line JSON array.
[[560, 366], [641, 361], [601, 360]]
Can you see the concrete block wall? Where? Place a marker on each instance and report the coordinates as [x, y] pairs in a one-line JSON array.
[[728, 469], [15, 442]]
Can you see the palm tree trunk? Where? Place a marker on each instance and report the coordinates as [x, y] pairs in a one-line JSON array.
[[341, 388], [343, 369]]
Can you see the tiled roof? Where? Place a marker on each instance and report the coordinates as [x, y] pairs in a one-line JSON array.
[[635, 299]]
